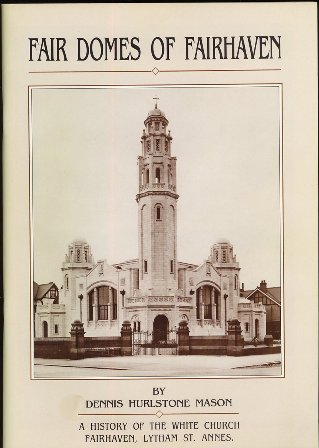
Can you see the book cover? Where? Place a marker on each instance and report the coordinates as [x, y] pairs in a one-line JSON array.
[[160, 225]]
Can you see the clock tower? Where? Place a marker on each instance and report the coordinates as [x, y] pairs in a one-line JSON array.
[[157, 209]]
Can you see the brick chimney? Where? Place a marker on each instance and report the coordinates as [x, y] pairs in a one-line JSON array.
[[263, 286]]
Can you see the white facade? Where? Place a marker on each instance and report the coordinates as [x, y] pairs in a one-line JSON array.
[[156, 291]]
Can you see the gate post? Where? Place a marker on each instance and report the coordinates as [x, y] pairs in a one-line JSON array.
[[183, 338], [126, 339], [77, 346], [235, 341]]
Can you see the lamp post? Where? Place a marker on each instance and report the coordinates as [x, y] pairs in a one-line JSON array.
[[81, 298], [118, 269], [225, 298], [122, 294]]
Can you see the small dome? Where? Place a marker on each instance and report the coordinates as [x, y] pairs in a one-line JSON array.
[[223, 241], [156, 112], [79, 241]]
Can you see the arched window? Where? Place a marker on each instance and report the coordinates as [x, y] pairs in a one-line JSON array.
[[45, 329], [236, 282], [256, 328], [157, 175], [158, 212], [147, 176]]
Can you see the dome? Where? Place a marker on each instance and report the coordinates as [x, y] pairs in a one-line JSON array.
[[156, 112], [79, 241], [223, 241]]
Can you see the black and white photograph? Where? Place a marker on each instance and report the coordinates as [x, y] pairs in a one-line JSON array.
[[156, 221]]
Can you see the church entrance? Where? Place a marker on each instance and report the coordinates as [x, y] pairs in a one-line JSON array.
[[160, 341], [160, 329]]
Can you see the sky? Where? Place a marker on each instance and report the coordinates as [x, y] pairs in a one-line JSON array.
[[85, 144]]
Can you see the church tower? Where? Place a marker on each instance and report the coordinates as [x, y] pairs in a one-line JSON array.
[[78, 262], [224, 261], [157, 209]]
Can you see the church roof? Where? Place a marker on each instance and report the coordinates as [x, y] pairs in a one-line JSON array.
[[39, 291], [133, 264], [273, 293]]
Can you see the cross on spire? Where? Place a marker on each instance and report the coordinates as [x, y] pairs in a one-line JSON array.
[[155, 98]]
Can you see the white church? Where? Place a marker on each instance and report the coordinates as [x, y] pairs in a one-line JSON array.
[[155, 291]]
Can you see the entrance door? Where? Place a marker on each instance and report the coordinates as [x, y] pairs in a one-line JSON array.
[[160, 329]]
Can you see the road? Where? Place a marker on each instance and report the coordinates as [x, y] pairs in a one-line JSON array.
[[160, 366]]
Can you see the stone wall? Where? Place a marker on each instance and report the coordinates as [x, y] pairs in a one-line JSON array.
[[78, 346], [52, 348]]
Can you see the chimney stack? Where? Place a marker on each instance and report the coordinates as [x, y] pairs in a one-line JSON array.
[[263, 286]]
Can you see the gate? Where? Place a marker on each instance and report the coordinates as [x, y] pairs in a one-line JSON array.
[[155, 342]]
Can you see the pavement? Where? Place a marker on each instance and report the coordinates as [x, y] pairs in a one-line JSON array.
[[160, 366]]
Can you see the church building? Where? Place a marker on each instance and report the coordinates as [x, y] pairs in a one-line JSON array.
[[155, 291]]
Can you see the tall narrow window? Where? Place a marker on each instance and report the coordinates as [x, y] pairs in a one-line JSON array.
[[172, 266], [216, 300], [114, 317], [145, 266], [158, 175], [91, 299], [224, 256], [197, 304], [66, 282], [157, 144], [56, 329], [236, 282], [156, 126], [147, 176], [78, 255], [104, 302], [207, 299], [158, 212]]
